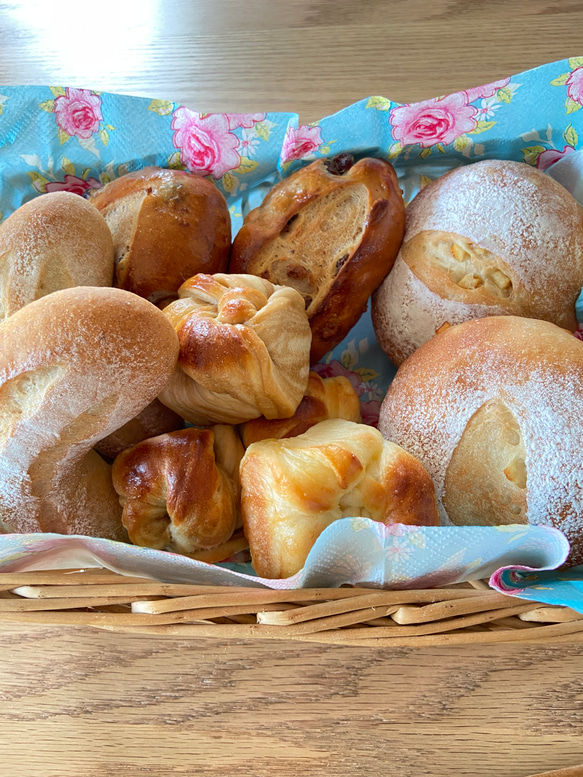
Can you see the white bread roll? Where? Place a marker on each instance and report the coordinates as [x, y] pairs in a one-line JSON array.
[[491, 238], [74, 366], [493, 408]]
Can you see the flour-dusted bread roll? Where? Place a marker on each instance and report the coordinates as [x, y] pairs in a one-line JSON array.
[[324, 398], [244, 350], [152, 421], [74, 366], [293, 488], [167, 225], [52, 242], [491, 238], [493, 408], [180, 491], [332, 231]]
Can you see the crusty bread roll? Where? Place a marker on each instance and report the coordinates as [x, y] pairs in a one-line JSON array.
[[153, 420], [244, 350], [167, 225], [491, 238], [180, 491], [324, 398], [52, 242], [493, 408], [74, 366], [293, 488], [332, 231]]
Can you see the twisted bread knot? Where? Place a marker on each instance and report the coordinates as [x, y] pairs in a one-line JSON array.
[[239, 305]]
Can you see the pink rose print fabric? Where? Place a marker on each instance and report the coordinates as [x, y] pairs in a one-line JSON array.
[[206, 144], [433, 121], [246, 120], [73, 183], [300, 143], [575, 85], [78, 112]]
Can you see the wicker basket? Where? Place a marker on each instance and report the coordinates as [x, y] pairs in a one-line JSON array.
[[470, 613]]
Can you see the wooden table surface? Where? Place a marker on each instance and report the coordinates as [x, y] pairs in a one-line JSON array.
[[85, 703]]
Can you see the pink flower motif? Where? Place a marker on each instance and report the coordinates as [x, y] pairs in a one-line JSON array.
[[398, 529], [73, 184], [551, 155], [246, 120], [370, 412], [575, 85], [300, 143], [579, 332], [488, 90], [433, 121], [334, 368], [206, 145], [78, 112]]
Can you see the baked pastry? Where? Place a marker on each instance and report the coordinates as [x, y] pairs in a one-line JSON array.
[[491, 238], [324, 398], [52, 242], [244, 349], [155, 419], [493, 408], [167, 225], [180, 491], [74, 366], [292, 489], [332, 231]]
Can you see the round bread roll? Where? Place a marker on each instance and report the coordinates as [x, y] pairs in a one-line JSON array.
[[74, 366], [167, 225], [331, 231], [53, 242], [493, 408], [491, 238], [244, 350]]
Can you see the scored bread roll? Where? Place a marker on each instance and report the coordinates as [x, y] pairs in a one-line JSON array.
[[167, 225], [293, 488], [331, 231], [493, 408], [53, 242], [74, 366], [490, 238]]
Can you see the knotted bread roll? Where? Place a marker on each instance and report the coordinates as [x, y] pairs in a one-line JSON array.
[[293, 488], [74, 366], [244, 350]]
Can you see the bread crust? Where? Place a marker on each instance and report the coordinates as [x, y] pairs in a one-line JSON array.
[[167, 226], [335, 270]]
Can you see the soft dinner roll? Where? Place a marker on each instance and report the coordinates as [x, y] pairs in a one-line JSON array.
[[180, 491], [74, 366], [244, 350], [324, 398], [167, 225], [493, 408], [491, 238], [52, 242], [332, 231], [293, 488]]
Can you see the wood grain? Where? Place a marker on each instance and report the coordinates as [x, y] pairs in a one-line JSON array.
[[81, 702]]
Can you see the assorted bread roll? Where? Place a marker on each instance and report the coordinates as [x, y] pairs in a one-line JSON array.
[[490, 238], [331, 231], [153, 420], [493, 408]]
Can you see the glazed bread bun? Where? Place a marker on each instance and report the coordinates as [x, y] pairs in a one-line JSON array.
[[331, 231], [324, 398], [244, 350], [293, 488], [167, 225], [493, 408], [74, 366], [52, 242], [491, 238], [180, 491]]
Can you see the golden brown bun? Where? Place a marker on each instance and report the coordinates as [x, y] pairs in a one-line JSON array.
[[493, 408], [52, 242], [167, 225], [74, 366], [180, 491], [491, 238], [244, 349], [332, 231], [324, 398], [155, 419], [292, 489]]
